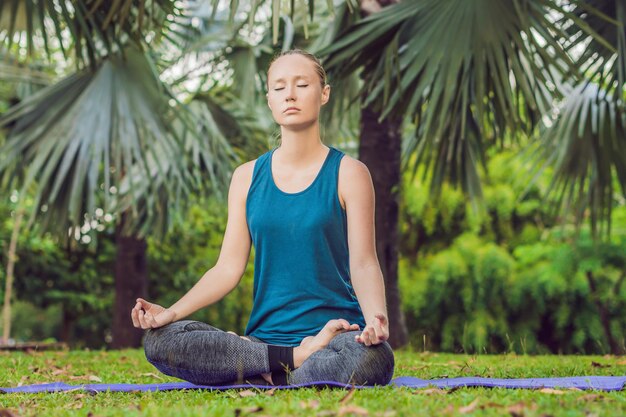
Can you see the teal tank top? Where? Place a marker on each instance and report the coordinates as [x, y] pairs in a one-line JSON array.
[[301, 264]]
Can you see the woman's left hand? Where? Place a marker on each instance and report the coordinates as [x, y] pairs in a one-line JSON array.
[[376, 332]]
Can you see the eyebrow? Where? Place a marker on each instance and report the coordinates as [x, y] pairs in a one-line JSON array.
[[297, 76]]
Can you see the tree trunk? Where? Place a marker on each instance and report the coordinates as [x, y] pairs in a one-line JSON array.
[[131, 279], [604, 314], [380, 149], [67, 327], [8, 288]]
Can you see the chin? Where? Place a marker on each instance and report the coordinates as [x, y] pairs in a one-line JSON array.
[[293, 121]]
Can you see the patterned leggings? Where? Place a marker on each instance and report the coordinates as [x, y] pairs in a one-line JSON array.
[[205, 355]]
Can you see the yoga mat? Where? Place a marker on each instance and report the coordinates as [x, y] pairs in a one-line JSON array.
[[603, 383]]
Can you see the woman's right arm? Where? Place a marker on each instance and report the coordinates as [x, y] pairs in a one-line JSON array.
[[220, 280]]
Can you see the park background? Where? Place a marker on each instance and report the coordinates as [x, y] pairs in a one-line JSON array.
[[502, 230]]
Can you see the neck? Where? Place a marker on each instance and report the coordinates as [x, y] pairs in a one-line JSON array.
[[300, 147]]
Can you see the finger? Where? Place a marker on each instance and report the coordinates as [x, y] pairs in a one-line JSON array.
[[378, 332], [133, 316], [142, 320], [145, 304], [344, 323], [371, 336], [151, 320], [363, 337]]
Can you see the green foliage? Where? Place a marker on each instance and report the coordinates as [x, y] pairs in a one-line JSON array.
[[78, 288], [461, 296], [504, 277], [190, 250], [49, 277]]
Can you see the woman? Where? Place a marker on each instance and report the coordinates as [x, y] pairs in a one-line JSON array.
[[319, 300]]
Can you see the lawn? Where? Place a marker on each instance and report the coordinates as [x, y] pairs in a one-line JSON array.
[[130, 366]]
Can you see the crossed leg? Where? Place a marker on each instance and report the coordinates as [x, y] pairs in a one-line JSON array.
[[205, 355]]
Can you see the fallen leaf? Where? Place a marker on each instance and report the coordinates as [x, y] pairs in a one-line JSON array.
[[270, 391], [248, 410], [551, 391], [151, 374], [353, 409], [430, 391], [517, 410], [325, 413], [7, 412], [94, 378], [22, 380], [469, 408], [314, 404], [247, 393], [590, 397], [621, 362], [491, 405], [348, 396], [388, 413], [599, 365]]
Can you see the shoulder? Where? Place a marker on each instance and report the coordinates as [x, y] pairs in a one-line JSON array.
[[242, 177], [353, 169], [354, 179]]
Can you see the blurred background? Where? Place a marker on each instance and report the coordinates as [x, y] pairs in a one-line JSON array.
[[494, 131]]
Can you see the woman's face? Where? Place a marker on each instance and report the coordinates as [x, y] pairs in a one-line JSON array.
[[293, 82]]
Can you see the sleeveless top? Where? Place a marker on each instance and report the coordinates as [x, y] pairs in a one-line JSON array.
[[301, 265]]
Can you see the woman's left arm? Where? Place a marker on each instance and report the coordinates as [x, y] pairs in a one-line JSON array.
[[366, 275]]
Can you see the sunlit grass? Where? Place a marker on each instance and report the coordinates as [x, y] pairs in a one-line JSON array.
[[130, 366]]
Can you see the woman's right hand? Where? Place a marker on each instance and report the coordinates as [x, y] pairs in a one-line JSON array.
[[148, 315]]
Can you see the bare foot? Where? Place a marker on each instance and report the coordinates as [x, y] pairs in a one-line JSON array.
[[311, 344]]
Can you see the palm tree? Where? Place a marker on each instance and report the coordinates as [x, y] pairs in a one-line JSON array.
[[470, 74], [111, 129]]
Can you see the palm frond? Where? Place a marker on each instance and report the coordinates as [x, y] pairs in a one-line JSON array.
[[76, 140], [491, 77], [96, 28], [603, 55], [586, 148], [221, 129]]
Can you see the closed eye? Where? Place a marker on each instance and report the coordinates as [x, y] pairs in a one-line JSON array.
[[277, 89]]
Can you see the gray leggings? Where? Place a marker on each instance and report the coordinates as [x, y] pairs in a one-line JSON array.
[[205, 355]]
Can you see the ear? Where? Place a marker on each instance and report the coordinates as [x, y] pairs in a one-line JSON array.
[[325, 94]]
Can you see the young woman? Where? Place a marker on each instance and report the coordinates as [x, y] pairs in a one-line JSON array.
[[319, 299]]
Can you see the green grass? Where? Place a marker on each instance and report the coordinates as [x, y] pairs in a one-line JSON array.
[[130, 366]]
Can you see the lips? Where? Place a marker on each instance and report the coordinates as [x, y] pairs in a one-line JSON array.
[[291, 108]]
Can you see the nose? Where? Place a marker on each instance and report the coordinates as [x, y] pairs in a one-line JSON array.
[[290, 93]]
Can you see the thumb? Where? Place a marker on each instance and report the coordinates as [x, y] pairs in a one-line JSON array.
[[144, 304]]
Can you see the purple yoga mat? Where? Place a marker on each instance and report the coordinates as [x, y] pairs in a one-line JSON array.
[[603, 383]]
